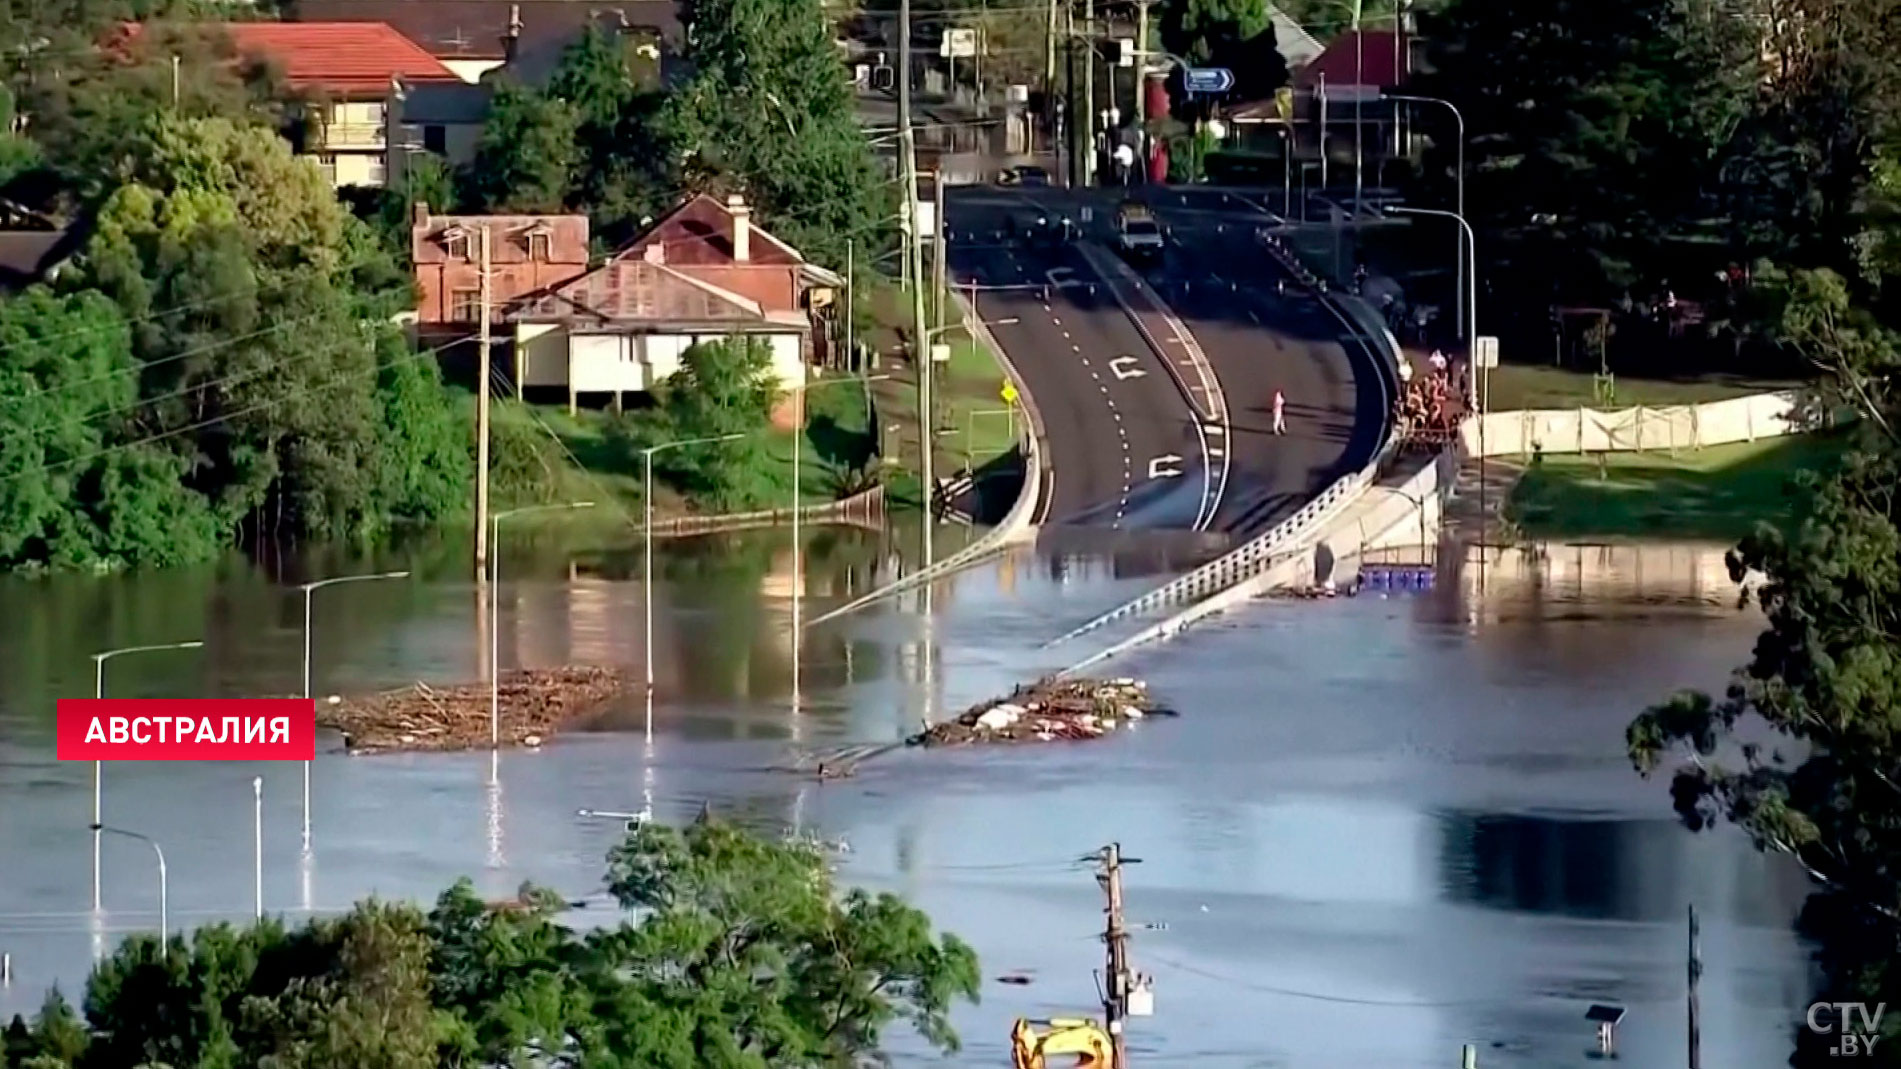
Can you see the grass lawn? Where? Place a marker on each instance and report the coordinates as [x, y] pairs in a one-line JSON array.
[[974, 425], [1517, 386], [1717, 493], [551, 456]]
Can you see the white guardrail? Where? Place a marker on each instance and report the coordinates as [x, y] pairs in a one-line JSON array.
[[1018, 524], [1237, 566]]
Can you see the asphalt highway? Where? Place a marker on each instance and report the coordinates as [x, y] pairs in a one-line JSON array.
[[1221, 282], [1125, 446], [1119, 424]]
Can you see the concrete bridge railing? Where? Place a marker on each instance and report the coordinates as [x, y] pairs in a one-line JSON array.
[[1367, 329]]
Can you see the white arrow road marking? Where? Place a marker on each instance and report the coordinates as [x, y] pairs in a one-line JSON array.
[[1056, 274], [1124, 367], [1165, 467]]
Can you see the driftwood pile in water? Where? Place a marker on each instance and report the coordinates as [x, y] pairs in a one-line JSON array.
[[535, 704], [1049, 710]]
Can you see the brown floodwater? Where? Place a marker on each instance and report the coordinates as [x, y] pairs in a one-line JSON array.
[[1384, 825]]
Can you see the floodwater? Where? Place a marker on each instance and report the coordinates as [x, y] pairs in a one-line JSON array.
[[1383, 827]]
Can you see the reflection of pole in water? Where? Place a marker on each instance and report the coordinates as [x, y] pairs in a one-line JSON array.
[[929, 650], [496, 858], [647, 769], [798, 812], [306, 868]]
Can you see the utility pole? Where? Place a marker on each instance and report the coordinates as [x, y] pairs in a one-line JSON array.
[[1073, 131], [481, 413], [1138, 106], [914, 259], [939, 271], [1115, 938], [1089, 92], [1695, 1011], [1049, 71]]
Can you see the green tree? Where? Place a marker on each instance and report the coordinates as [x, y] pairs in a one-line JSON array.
[[767, 110], [1236, 34], [1593, 133], [1801, 750], [722, 388], [623, 171], [69, 496], [743, 956], [527, 152]]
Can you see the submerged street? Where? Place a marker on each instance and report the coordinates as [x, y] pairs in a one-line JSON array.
[[1382, 827]]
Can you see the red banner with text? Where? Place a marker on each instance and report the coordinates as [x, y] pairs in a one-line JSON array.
[[187, 729]]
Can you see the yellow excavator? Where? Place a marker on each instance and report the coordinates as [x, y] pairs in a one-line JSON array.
[[1077, 1037]]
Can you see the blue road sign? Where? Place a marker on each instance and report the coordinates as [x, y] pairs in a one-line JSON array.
[[1208, 79]]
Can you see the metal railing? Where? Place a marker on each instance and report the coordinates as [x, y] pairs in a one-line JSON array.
[[1273, 546]]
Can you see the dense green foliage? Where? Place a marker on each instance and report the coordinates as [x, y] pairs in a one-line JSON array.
[[745, 956], [1235, 34], [219, 363], [1745, 157], [763, 110]]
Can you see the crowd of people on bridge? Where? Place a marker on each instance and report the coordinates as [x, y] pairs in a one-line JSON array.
[[1430, 402]]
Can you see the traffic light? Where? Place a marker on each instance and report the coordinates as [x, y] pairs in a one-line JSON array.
[[882, 78]]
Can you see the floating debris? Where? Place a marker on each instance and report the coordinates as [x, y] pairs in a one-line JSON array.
[[1049, 710], [535, 704]]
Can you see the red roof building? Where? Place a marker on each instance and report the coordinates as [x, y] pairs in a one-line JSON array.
[[339, 59], [348, 71], [1376, 59]]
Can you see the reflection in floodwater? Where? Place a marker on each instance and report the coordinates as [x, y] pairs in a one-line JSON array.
[[1382, 827]]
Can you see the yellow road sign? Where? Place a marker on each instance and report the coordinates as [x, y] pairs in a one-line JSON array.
[[1009, 393]]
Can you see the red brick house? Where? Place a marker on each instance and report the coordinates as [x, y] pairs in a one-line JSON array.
[[527, 254], [702, 272]]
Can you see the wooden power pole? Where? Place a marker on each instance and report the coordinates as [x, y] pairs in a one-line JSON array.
[[1115, 938], [481, 411], [1695, 1011]]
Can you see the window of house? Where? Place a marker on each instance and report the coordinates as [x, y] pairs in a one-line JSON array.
[[538, 247], [435, 138], [456, 242], [465, 306]]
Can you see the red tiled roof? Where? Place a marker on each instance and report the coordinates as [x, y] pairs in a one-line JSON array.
[[339, 57], [1341, 63], [699, 230]]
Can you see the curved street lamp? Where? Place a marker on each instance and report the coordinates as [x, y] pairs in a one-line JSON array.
[[164, 888], [99, 692], [308, 589]]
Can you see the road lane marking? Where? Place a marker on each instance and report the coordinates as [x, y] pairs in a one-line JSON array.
[[1215, 428], [1166, 466], [1125, 368]]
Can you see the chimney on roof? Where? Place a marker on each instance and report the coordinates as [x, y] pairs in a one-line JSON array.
[[742, 227], [511, 41], [655, 252]]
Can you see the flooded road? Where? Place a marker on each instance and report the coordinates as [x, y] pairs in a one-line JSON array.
[[1383, 827]]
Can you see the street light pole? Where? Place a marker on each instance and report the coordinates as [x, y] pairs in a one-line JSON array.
[[164, 885], [309, 589], [494, 612], [646, 552], [1477, 396], [99, 692], [1459, 197]]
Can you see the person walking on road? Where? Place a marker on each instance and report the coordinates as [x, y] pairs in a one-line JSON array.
[[1280, 413]]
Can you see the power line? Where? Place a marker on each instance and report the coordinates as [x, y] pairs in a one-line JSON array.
[[344, 379]]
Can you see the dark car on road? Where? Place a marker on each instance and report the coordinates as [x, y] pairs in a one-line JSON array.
[[1023, 175]]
